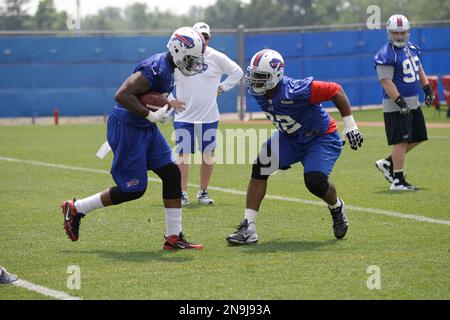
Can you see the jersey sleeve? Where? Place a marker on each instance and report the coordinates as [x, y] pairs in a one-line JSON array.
[[299, 89], [323, 91], [385, 72], [149, 72], [385, 57], [232, 70]]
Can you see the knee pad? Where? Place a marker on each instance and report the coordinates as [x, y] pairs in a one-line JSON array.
[[171, 179], [117, 196], [317, 183]]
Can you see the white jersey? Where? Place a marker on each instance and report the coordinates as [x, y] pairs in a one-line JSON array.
[[199, 92]]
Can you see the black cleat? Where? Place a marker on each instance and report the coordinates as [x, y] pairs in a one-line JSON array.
[[340, 222], [243, 235]]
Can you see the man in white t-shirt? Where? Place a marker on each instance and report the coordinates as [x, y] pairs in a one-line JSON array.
[[201, 117]]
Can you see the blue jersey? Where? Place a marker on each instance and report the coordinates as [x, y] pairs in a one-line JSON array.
[[292, 112], [406, 63], [158, 71]]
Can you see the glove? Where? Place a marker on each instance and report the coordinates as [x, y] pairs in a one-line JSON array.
[[166, 116], [158, 115], [404, 108], [429, 95], [351, 133]]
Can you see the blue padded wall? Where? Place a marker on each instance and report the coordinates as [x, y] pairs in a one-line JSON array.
[[346, 57], [79, 75]]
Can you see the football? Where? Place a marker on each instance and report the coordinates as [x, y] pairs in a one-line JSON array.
[[153, 98]]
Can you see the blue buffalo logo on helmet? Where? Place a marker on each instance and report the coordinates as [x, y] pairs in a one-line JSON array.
[[276, 64], [188, 42]]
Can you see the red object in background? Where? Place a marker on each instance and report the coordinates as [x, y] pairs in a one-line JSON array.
[[434, 81], [56, 116], [446, 82]]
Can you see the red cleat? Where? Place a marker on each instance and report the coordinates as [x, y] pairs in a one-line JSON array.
[[72, 219], [179, 243]]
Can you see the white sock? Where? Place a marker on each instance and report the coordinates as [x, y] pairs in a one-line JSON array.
[[337, 205], [88, 204], [251, 216], [173, 221]]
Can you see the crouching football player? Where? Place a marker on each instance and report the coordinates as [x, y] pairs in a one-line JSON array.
[[306, 134], [137, 143]]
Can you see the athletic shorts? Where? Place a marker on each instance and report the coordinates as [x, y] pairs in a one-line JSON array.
[[187, 134], [319, 154], [136, 150], [410, 128]]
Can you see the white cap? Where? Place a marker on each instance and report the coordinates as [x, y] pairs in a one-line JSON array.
[[202, 27]]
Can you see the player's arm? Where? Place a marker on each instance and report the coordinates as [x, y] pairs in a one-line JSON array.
[[385, 75], [128, 93], [331, 91], [234, 74], [429, 94], [390, 88]]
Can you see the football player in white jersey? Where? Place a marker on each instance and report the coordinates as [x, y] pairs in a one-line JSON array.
[[201, 116]]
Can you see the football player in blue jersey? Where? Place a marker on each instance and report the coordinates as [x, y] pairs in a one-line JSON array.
[[402, 76], [306, 133], [137, 143]]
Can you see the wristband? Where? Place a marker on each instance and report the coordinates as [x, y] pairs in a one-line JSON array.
[[427, 89], [349, 121]]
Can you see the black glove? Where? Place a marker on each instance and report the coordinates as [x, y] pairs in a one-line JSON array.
[[404, 108], [429, 95], [355, 139]]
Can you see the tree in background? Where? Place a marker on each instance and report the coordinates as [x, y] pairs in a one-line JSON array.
[[223, 14], [47, 18], [13, 15], [136, 16], [109, 18]]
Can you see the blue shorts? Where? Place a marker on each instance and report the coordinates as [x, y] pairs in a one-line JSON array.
[[187, 133], [136, 150], [319, 154]]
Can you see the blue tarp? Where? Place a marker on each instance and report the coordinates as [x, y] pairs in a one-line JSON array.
[[79, 75]]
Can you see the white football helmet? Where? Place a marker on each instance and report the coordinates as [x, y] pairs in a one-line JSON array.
[[265, 71], [187, 47], [398, 28], [202, 27]]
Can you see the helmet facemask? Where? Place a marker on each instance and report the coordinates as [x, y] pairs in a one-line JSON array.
[[190, 65], [398, 38], [258, 82]]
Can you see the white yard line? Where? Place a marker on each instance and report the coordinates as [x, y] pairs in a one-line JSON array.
[[44, 290], [243, 193]]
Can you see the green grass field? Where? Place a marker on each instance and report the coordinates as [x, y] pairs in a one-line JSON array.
[[119, 251]]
